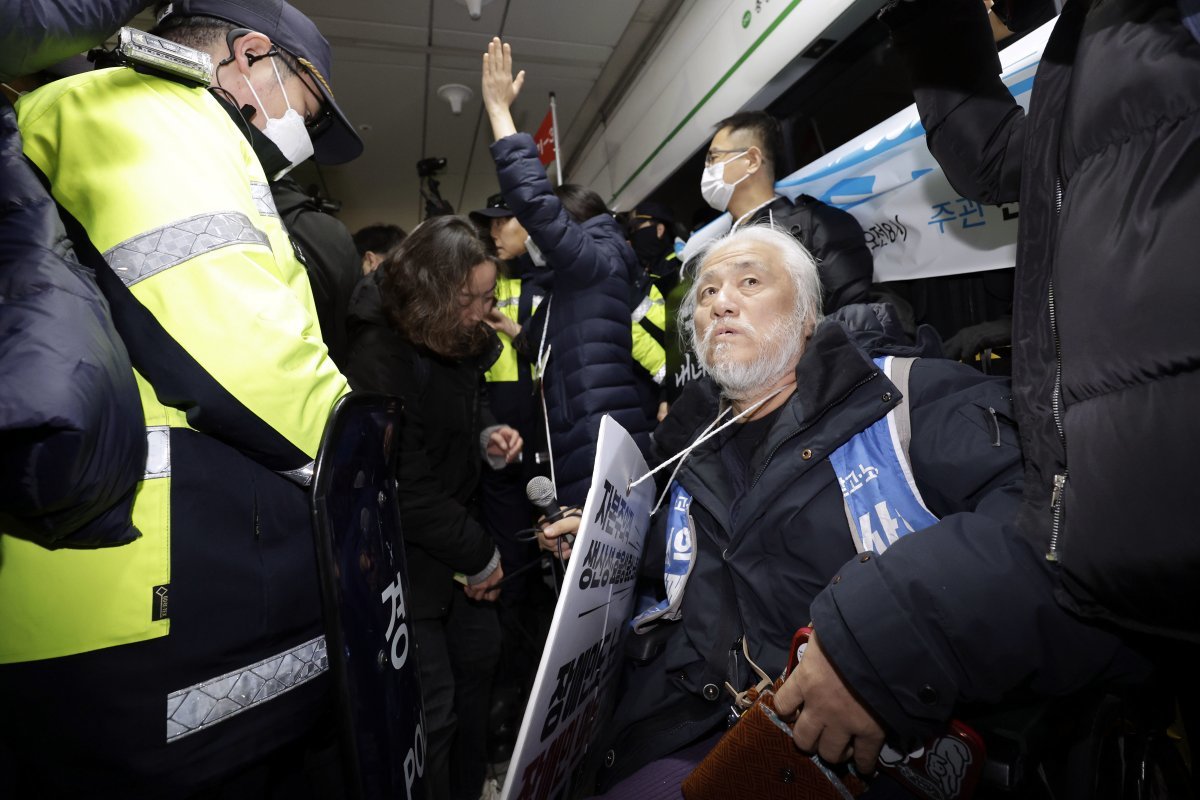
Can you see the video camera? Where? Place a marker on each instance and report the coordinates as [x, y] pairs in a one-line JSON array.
[[435, 206], [427, 167]]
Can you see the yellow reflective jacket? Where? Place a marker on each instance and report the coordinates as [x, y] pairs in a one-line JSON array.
[[170, 190], [649, 322], [508, 301], [649, 326]]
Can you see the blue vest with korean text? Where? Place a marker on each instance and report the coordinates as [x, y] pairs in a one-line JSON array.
[[881, 497]]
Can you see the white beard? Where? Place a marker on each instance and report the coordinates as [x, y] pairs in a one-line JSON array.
[[778, 350]]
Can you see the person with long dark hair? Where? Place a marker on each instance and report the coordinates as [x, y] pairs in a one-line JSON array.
[[585, 321], [417, 330]]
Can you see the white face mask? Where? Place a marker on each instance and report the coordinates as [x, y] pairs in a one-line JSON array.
[[288, 132], [713, 188]]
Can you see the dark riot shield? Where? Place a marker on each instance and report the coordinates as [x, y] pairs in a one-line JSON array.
[[365, 591]]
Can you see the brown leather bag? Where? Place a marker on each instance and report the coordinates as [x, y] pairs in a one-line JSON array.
[[757, 758]]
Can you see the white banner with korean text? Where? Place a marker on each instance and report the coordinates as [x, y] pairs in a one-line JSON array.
[[573, 689], [916, 225]]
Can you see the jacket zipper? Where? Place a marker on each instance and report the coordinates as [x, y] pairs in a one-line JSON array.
[[1060, 479], [995, 426], [814, 421]]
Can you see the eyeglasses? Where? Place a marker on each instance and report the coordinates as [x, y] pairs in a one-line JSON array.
[[316, 123], [319, 122], [710, 157]]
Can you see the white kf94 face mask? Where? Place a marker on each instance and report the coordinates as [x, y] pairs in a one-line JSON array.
[[288, 132], [713, 188]]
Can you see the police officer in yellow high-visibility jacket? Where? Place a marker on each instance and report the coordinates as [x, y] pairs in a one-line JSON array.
[[165, 665], [512, 396], [513, 296], [649, 332]]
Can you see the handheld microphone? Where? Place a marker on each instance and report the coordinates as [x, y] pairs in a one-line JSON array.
[[540, 492]]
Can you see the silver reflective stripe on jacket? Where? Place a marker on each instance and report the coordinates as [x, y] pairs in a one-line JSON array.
[[301, 475], [643, 309], [152, 252], [263, 199], [205, 704], [158, 452]]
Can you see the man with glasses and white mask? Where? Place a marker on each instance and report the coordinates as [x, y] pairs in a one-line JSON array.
[[739, 177], [191, 658]]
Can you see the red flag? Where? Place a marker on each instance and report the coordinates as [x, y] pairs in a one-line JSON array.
[[545, 139]]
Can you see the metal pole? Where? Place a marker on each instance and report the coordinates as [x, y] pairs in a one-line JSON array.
[[558, 154]]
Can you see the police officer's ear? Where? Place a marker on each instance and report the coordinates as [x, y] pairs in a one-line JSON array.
[[246, 47], [660, 230]]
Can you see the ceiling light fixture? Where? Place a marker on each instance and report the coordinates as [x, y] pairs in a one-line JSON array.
[[474, 7], [455, 94]]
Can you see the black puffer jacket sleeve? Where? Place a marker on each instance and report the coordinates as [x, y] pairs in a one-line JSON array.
[[35, 34], [72, 435], [962, 611], [974, 127]]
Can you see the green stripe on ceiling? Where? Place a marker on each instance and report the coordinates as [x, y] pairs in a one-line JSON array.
[[728, 74]]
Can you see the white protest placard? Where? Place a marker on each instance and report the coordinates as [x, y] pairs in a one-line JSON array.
[[577, 673]]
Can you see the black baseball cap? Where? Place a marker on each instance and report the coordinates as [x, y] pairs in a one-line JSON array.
[[652, 211], [288, 28], [496, 208]]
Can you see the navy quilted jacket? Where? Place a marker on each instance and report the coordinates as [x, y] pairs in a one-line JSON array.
[[591, 368], [72, 436]]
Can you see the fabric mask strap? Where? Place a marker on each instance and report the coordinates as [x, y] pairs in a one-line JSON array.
[[256, 98], [279, 80], [729, 161], [281, 89]]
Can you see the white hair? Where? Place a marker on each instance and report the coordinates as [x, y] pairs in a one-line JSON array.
[[799, 266]]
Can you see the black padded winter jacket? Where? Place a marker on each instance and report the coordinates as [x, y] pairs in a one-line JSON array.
[[1106, 335], [72, 436], [440, 457]]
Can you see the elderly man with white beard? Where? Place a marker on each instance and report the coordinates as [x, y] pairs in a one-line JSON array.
[[768, 457]]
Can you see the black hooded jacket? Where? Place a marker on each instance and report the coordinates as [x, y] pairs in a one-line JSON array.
[[1107, 346], [1106, 335], [440, 457]]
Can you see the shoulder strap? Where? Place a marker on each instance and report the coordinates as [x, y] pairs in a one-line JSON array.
[[874, 468], [900, 369]]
